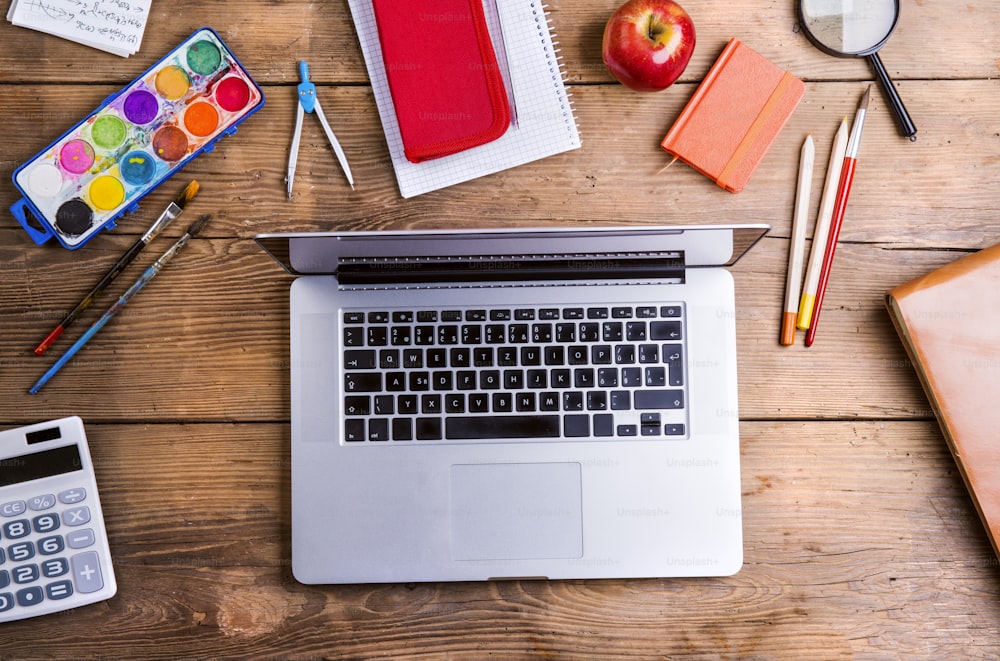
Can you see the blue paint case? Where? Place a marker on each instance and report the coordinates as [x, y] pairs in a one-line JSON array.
[[134, 141]]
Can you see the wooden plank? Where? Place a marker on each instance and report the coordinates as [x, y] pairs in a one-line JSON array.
[[926, 194], [860, 540], [214, 324], [269, 38]]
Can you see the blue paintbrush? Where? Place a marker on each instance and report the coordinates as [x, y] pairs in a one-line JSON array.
[[143, 280]]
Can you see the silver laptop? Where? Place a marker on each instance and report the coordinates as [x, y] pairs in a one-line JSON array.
[[532, 403]]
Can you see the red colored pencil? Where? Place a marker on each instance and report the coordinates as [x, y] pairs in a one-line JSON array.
[[843, 192]]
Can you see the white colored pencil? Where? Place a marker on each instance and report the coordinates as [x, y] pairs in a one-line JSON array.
[[800, 220]]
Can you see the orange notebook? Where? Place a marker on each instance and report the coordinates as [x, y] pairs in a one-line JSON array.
[[949, 321], [734, 116]]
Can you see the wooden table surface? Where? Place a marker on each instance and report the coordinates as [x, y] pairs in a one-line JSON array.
[[860, 538]]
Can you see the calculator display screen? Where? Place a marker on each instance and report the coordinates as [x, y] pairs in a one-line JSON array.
[[34, 466]]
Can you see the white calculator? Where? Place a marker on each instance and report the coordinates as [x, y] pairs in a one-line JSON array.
[[53, 547]]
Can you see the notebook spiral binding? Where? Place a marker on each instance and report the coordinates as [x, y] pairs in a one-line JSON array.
[[559, 68]]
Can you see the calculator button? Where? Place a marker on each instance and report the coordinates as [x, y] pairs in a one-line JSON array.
[[29, 596], [76, 516], [71, 496], [4, 578], [22, 551], [13, 508], [16, 529], [45, 523], [6, 601], [87, 572], [54, 567], [59, 590], [51, 545], [39, 503], [80, 539], [25, 574]]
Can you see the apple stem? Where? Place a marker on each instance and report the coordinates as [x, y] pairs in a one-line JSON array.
[[654, 29]]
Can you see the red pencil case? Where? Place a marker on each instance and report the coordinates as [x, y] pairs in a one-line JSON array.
[[443, 75]]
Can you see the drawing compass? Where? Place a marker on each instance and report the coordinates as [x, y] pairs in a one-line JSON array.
[[308, 103]]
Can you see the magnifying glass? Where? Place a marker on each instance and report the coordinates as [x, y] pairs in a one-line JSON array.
[[857, 28]]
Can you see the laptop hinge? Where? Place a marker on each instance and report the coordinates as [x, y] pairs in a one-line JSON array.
[[509, 268]]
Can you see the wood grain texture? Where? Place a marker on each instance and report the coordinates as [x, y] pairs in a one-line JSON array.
[[860, 539]]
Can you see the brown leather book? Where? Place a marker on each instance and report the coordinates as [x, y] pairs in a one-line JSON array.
[[734, 116], [949, 321]]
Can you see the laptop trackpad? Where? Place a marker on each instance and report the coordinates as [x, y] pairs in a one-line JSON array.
[[516, 511]]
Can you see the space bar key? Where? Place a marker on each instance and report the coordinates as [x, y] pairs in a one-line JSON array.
[[501, 426]]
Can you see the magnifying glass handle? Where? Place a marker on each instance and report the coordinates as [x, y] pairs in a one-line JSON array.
[[906, 127]]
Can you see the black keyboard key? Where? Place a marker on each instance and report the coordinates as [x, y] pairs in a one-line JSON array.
[[460, 357], [359, 359], [665, 330], [388, 358], [541, 333], [646, 400], [503, 402], [362, 382], [407, 404], [597, 400], [378, 317], [428, 429], [670, 311], [472, 334], [354, 429], [673, 356], [635, 331], [354, 317], [402, 429], [621, 400], [656, 377], [448, 334], [354, 336], [357, 405], [378, 429], [572, 313], [576, 426], [378, 336], [502, 426], [597, 313], [518, 334], [604, 424]]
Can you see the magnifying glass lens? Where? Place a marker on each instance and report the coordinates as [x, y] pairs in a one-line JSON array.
[[850, 27]]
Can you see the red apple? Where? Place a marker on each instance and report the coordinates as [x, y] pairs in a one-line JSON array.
[[648, 43]]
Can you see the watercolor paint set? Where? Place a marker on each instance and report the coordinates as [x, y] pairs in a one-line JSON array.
[[134, 141]]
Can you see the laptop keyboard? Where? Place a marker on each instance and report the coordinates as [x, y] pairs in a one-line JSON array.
[[482, 374]]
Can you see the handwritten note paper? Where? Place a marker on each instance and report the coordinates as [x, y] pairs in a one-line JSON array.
[[115, 26]]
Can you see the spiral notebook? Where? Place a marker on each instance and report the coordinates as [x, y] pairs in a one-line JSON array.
[[543, 123]]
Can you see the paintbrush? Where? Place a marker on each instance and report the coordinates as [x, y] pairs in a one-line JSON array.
[[172, 211], [143, 280]]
